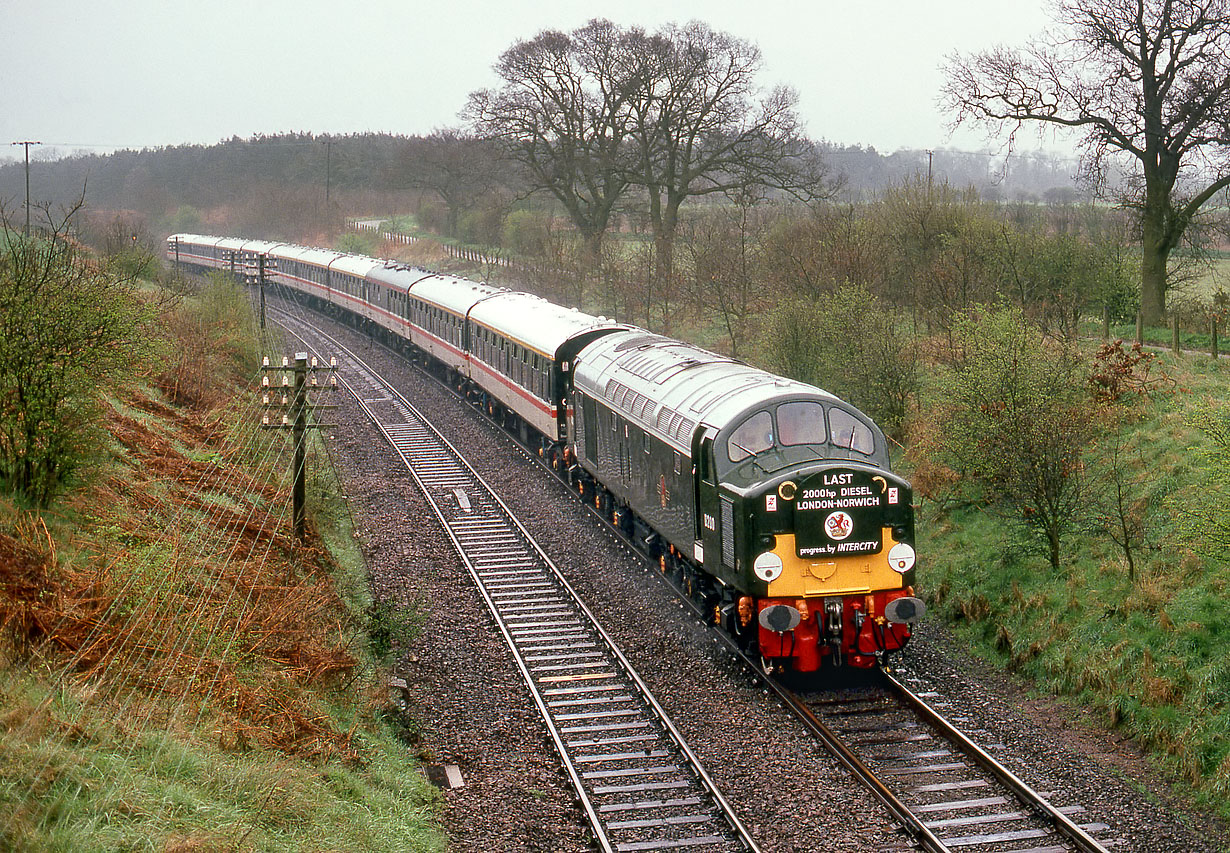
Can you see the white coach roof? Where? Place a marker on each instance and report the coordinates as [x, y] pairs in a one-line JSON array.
[[534, 322]]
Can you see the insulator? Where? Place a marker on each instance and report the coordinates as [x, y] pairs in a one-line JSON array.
[[285, 361], [333, 380], [314, 382], [265, 380], [265, 361], [265, 420], [285, 421], [313, 361], [265, 400], [285, 400], [285, 380], [333, 361]]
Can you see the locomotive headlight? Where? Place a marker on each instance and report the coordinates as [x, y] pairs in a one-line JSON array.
[[768, 567], [901, 557]]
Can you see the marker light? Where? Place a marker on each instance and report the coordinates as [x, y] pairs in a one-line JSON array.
[[768, 567], [901, 557]]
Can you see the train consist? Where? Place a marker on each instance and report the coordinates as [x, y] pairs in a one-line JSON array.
[[770, 501]]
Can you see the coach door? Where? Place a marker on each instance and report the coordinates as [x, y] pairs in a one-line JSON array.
[[708, 531]]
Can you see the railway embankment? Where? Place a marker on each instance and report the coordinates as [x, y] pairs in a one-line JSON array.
[[176, 671], [1131, 627]]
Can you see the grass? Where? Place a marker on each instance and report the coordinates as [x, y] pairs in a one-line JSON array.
[[121, 790], [1150, 652], [175, 674]]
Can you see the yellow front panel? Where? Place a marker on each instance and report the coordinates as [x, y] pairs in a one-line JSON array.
[[836, 576]]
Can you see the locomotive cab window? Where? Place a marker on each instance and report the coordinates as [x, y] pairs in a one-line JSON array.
[[754, 436], [800, 423], [849, 431]]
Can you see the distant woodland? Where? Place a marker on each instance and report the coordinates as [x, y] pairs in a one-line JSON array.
[[276, 186]]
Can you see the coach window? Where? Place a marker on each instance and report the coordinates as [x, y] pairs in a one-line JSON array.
[[755, 435], [849, 431], [800, 423]]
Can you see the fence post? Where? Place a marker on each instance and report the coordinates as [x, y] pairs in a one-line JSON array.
[[1213, 327], [1140, 328], [1174, 336], [1105, 323]]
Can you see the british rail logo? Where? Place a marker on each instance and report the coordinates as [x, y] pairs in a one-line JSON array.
[[839, 525]]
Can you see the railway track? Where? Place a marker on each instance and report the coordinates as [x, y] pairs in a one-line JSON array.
[[947, 793], [640, 786]]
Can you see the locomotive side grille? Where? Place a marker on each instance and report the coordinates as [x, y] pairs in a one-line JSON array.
[[682, 430], [642, 407], [728, 532], [616, 392], [665, 416]]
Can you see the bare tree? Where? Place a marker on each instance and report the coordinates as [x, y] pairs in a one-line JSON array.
[[561, 114], [1120, 499], [725, 247], [458, 167], [702, 125], [1144, 81], [677, 113]]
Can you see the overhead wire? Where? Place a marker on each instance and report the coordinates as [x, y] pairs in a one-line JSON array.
[[144, 614]]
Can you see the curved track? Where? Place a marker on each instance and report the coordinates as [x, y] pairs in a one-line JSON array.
[[942, 789], [639, 784]]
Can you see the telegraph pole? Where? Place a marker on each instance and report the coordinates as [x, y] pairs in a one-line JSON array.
[[264, 264], [296, 404], [27, 143]]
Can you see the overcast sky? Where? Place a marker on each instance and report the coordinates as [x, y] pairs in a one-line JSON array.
[[141, 73]]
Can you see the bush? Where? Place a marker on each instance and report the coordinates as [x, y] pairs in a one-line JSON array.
[[210, 344], [1206, 523], [526, 232], [69, 327], [359, 243], [850, 344], [434, 217], [483, 224], [1013, 419]]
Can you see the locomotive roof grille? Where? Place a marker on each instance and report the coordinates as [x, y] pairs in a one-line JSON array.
[[651, 367], [628, 344]]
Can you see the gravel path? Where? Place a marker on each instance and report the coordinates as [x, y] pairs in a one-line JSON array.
[[470, 708]]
